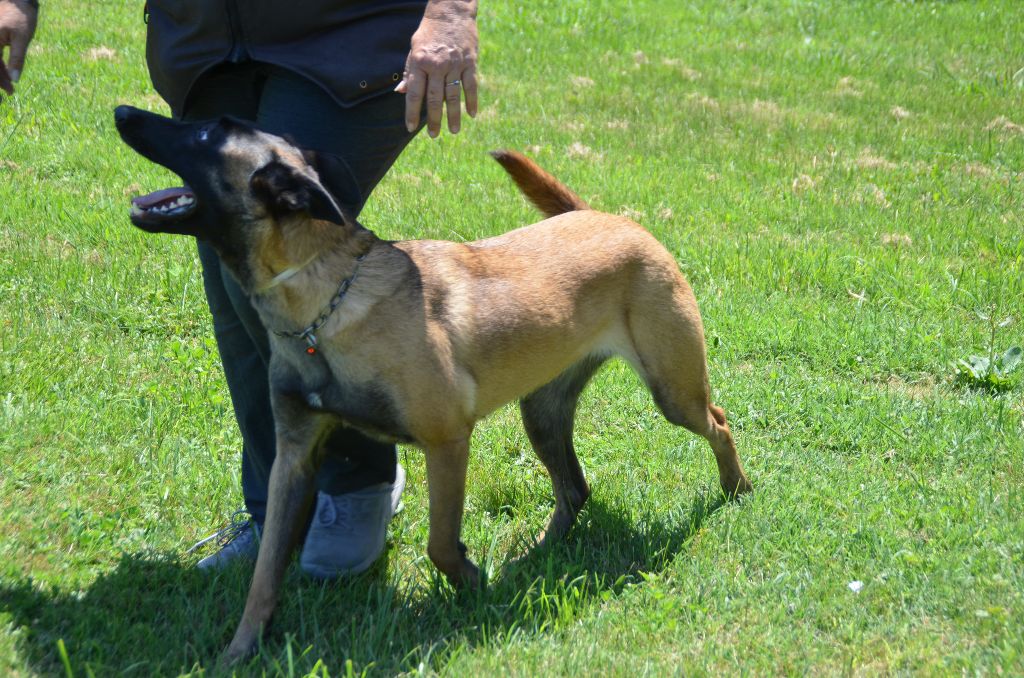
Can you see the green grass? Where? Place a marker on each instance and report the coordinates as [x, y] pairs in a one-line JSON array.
[[846, 254]]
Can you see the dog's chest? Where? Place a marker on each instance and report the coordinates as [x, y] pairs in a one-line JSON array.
[[362, 403]]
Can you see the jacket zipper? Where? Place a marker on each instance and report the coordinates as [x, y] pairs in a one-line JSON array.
[[239, 52]]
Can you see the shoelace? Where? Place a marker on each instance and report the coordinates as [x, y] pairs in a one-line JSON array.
[[240, 521]]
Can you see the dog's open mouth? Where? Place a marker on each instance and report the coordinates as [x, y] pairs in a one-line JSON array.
[[170, 204]]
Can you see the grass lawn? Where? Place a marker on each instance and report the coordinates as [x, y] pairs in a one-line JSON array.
[[840, 181]]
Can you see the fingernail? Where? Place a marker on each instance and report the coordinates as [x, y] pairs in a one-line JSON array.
[[15, 74]]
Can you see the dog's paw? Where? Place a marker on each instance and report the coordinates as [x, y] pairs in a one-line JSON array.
[[469, 576], [232, 656], [737, 487]]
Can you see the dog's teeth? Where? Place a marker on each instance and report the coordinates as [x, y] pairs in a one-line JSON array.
[[136, 210]]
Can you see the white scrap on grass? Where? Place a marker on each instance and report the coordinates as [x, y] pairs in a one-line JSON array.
[[856, 586]]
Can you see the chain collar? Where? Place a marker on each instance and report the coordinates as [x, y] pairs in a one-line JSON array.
[[307, 334]]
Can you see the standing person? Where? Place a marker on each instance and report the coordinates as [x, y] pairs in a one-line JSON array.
[[349, 78]]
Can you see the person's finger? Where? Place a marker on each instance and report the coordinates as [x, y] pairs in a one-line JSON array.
[[453, 104], [415, 84], [400, 87], [435, 102], [469, 84]]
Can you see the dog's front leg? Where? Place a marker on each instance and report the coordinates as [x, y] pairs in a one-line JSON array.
[[290, 494], [446, 481]]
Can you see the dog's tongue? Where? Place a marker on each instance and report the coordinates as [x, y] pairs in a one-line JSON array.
[[158, 197]]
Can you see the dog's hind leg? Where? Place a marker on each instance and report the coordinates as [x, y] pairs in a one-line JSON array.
[[670, 356], [548, 415]]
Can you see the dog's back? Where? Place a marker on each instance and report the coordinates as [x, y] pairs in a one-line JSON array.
[[551, 196]]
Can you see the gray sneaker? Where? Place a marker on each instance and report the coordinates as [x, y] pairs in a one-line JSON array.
[[348, 530], [240, 539]]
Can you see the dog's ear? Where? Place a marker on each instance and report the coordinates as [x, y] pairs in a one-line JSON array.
[[286, 191], [308, 154]]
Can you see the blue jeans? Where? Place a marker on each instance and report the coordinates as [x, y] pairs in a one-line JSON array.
[[369, 137]]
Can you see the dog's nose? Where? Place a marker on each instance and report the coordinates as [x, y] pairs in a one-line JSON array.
[[122, 114]]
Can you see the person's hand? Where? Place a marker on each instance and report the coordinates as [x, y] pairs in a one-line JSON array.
[[17, 26], [441, 64]]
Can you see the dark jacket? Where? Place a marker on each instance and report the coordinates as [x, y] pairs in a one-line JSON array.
[[355, 49]]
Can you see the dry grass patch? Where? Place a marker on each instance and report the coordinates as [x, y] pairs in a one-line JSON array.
[[101, 53], [802, 183], [868, 160], [878, 195], [410, 179], [59, 247], [919, 389], [631, 213], [772, 114], [684, 70], [899, 113], [578, 150], [581, 81], [417, 179], [980, 170], [1004, 125], [489, 112], [703, 100], [897, 240], [871, 194], [766, 110], [847, 86]]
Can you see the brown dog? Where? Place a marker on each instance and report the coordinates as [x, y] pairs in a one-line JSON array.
[[416, 341]]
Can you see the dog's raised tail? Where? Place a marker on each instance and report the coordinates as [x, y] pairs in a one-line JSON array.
[[550, 195]]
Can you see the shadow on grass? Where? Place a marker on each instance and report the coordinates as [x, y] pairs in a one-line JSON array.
[[152, 615]]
